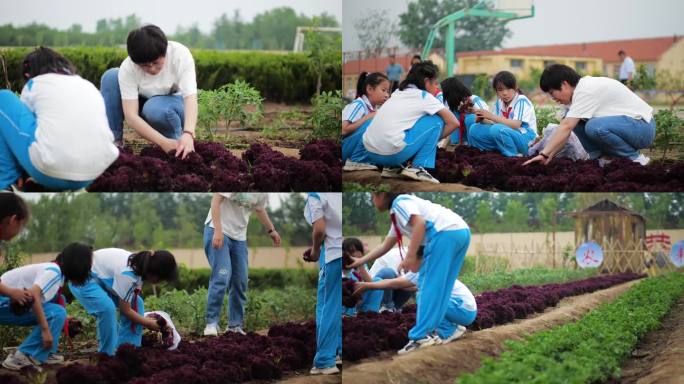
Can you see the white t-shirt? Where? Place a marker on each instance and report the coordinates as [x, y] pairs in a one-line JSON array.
[[47, 276], [177, 77], [626, 68], [235, 211], [329, 207], [435, 215], [73, 139], [459, 290], [390, 260], [520, 108], [385, 134], [111, 264], [357, 109], [602, 96]]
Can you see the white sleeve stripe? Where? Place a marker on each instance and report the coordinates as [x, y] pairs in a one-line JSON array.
[[51, 283], [352, 117]]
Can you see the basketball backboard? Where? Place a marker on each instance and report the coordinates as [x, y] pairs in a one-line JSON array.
[[521, 8]]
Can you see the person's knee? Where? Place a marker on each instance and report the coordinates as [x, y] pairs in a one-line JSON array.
[[57, 313], [110, 78], [595, 128], [386, 273]]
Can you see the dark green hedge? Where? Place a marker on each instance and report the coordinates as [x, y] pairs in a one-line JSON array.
[[280, 77]]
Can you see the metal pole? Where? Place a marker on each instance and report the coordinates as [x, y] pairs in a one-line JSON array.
[[450, 47]]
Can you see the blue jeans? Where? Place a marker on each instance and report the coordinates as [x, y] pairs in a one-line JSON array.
[[421, 145], [620, 136], [443, 259], [351, 144], [110, 333], [32, 346], [455, 315], [501, 138], [328, 313], [17, 133], [229, 269], [165, 114], [392, 298]]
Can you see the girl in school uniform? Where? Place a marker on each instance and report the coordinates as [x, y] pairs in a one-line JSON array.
[[30, 296], [115, 282], [57, 132], [372, 90], [323, 211], [403, 135], [370, 301], [461, 310], [514, 121], [446, 237], [460, 100]]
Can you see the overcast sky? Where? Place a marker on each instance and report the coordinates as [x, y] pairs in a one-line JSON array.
[[556, 22], [167, 14]]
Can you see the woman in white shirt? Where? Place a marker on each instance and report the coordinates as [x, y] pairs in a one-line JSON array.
[[57, 132], [608, 118]]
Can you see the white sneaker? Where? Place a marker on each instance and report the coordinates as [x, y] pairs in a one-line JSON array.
[[324, 371], [236, 330], [641, 159], [460, 331], [603, 161], [18, 360], [416, 344], [211, 330], [391, 173], [419, 174], [338, 360], [354, 166], [54, 358], [443, 143]]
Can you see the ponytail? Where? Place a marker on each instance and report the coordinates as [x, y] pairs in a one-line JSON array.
[[418, 73], [369, 79], [161, 264]]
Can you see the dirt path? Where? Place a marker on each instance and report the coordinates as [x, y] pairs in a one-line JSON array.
[[308, 379], [441, 364], [658, 356], [402, 185], [291, 152]]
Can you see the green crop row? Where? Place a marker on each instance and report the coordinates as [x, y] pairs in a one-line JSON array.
[[589, 350], [279, 77]]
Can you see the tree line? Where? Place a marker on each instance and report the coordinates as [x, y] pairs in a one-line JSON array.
[[518, 212], [269, 30]]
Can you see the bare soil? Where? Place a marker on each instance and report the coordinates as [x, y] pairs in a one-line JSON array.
[[441, 364], [658, 356], [372, 178]]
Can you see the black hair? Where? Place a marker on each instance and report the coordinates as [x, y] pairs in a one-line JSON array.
[[389, 198], [621, 53], [12, 205], [417, 57], [455, 92], [44, 60], [418, 74], [554, 75], [352, 244], [365, 79], [506, 79], [75, 261], [160, 264], [146, 44]]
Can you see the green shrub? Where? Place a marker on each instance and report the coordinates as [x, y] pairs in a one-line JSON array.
[[668, 126], [327, 114], [236, 101], [278, 77]]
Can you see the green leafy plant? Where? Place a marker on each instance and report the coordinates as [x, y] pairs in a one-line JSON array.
[[668, 127], [327, 114], [589, 350], [642, 79], [323, 51], [482, 87], [237, 101], [546, 116]]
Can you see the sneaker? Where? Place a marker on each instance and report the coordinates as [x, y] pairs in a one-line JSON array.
[[443, 143], [391, 173], [415, 344], [324, 371], [641, 159], [236, 330], [354, 166], [18, 360], [384, 309], [603, 161], [419, 173], [338, 360], [54, 358], [460, 331], [211, 330]]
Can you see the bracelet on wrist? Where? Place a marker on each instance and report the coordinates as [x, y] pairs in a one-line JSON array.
[[544, 155], [191, 133]]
